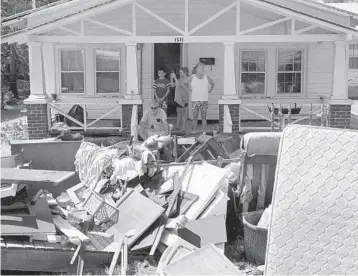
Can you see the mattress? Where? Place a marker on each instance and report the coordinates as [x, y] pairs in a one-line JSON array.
[[314, 224], [261, 143]]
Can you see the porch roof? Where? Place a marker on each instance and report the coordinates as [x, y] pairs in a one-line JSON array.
[[54, 15]]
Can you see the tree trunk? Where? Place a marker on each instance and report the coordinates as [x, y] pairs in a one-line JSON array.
[[13, 83]]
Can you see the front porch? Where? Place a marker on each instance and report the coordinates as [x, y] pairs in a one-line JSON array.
[[101, 57]]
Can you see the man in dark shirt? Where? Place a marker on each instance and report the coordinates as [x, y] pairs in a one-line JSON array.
[[161, 88]]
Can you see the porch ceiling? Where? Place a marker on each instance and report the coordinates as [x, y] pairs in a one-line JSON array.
[[183, 18]]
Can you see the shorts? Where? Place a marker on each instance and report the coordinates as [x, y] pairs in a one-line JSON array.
[[199, 105], [178, 105]]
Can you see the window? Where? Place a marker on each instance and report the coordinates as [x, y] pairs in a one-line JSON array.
[[107, 71], [289, 71], [72, 71], [253, 75], [353, 56]]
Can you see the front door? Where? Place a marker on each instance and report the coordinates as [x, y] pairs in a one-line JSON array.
[[167, 56]]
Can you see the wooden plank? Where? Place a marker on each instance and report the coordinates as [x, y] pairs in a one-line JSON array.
[[25, 225], [171, 201], [70, 231], [136, 213], [208, 230], [34, 177], [23, 259], [207, 260]]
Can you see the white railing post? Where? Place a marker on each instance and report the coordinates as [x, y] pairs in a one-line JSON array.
[[85, 117], [273, 117]]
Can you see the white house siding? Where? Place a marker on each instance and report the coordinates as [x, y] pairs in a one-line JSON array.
[[317, 81]]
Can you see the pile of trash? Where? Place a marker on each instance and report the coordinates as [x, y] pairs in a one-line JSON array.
[[170, 213]]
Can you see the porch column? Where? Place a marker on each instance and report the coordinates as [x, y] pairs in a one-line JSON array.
[[340, 73], [229, 72], [229, 105], [340, 105], [36, 104], [132, 108], [132, 91], [49, 65]]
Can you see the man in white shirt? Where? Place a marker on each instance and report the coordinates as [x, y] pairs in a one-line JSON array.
[[201, 85]]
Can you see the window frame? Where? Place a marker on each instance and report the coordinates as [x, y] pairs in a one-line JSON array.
[[355, 45], [59, 67], [95, 70], [264, 95], [303, 72]]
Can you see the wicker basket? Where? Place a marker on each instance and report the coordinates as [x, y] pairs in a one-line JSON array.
[[255, 238]]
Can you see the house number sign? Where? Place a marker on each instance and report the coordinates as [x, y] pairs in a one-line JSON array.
[[179, 39]]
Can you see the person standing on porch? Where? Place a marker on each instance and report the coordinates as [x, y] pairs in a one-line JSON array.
[[181, 97], [201, 86], [161, 88]]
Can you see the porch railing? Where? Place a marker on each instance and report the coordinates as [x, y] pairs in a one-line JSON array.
[[60, 107], [279, 114]]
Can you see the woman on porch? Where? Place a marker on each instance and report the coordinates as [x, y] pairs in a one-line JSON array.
[[181, 97]]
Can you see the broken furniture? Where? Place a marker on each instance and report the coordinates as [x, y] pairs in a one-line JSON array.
[[205, 147], [313, 228], [258, 169]]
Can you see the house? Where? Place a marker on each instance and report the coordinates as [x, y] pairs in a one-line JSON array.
[[351, 8], [103, 55]]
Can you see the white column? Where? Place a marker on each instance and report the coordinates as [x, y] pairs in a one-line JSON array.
[[340, 72], [229, 72], [48, 55], [37, 80], [132, 72]]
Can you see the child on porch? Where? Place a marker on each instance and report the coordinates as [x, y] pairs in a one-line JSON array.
[[161, 88]]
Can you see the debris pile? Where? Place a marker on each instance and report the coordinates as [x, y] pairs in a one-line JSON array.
[[129, 203]]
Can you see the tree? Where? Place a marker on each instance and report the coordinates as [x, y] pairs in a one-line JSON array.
[[14, 58]]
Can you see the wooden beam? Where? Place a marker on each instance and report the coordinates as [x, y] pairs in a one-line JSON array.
[[300, 31], [82, 27], [212, 18], [269, 24], [110, 27], [238, 17], [186, 17], [34, 177], [78, 16], [69, 30], [293, 26], [302, 17], [160, 18], [134, 19], [191, 39]]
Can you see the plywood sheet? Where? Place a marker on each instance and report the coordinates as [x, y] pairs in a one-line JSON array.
[[137, 213], [38, 222], [201, 180], [33, 177], [207, 260]]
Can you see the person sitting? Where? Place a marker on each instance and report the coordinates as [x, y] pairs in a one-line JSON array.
[[154, 123]]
